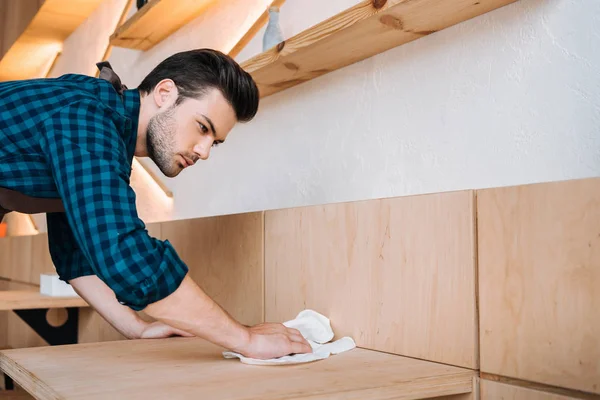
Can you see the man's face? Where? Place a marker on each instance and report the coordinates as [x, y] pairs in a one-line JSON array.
[[183, 134]]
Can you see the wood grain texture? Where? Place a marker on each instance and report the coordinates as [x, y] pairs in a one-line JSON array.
[[355, 34], [15, 15], [36, 48], [491, 390], [24, 258], [93, 328], [28, 299], [79, 54], [157, 20], [257, 26], [18, 333], [225, 258], [539, 266], [398, 275], [183, 368]]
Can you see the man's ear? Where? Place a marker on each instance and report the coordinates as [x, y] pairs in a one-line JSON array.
[[165, 93]]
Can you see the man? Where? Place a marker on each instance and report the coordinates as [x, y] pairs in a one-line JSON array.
[[66, 149]]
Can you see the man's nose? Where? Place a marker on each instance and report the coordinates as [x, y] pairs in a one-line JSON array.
[[202, 149]]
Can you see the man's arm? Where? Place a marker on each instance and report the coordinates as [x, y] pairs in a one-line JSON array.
[[91, 172], [126, 321], [73, 267]]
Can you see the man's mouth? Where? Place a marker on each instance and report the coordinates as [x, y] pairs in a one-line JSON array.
[[186, 162]]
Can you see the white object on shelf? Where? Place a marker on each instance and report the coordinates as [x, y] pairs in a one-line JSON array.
[[273, 34], [51, 285]]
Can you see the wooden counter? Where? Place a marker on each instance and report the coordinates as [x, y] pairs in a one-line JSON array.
[[179, 368], [28, 299]]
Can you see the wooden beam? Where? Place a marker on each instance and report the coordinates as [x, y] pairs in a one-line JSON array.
[[369, 28], [157, 20], [37, 47], [257, 26]]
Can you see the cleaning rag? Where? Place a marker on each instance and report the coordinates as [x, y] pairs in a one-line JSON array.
[[316, 329]]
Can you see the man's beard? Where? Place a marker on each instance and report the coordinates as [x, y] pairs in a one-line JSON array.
[[160, 142]]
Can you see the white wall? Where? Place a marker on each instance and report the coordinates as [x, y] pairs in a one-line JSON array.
[[511, 97]]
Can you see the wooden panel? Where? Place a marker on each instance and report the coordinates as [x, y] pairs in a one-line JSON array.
[[398, 275], [539, 266], [3, 320], [183, 368], [93, 328], [360, 32], [37, 47], [225, 258], [491, 390], [15, 15], [80, 54], [18, 333], [24, 258], [20, 258], [5, 267], [157, 20], [27, 299]]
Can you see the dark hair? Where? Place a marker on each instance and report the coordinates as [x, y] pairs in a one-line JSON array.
[[195, 71]]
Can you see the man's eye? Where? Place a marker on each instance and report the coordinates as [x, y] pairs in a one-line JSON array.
[[203, 127], [215, 144]]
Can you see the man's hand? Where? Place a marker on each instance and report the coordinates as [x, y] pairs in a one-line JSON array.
[[192, 310], [158, 330], [270, 340]]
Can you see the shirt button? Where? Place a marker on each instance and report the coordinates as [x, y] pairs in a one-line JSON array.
[[122, 303]]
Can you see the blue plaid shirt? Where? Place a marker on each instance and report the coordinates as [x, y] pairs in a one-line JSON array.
[[74, 138]]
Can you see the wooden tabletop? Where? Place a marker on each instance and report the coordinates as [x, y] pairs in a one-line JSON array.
[[184, 368], [24, 300]]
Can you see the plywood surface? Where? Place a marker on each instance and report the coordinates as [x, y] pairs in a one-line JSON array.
[[18, 333], [491, 390], [24, 299], [539, 267], [37, 47], [181, 368], [225, 258], [24, 258], [156, 20], [398, 275], [367, 29]]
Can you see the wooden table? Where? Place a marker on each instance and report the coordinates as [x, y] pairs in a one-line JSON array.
[[29, 299], [32, 306], [191, 368]]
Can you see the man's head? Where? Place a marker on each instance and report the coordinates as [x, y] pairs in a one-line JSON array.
[[190, 102]]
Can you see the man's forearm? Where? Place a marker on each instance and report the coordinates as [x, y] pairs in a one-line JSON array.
[[97, 294], [192, 310]]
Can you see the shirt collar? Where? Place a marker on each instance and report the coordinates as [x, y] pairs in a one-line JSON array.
[[131, 103]]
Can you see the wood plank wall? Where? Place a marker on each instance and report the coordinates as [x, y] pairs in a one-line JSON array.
[[539, 267], [500, 280], [398, 275]]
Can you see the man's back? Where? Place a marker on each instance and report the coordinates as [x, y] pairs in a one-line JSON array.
[[27, 108]]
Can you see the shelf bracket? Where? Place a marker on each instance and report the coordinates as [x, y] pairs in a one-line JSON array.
[[55, 336]]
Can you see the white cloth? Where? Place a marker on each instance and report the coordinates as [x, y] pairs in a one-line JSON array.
[[316, 329]]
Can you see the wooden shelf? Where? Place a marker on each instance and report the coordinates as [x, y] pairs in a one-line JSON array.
[[26, 300], [33, 53], [360, 32], [193, 368], [155, 21]]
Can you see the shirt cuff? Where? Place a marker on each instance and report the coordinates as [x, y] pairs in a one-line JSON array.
[[164, 281]]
